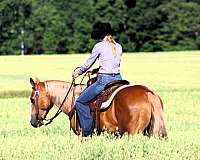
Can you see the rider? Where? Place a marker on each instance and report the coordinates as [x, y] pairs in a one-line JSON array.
[[108, 52]]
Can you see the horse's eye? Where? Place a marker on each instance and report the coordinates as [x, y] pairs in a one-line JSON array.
[[32, 100]]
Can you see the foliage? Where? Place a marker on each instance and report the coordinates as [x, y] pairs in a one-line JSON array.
[[65, 26]]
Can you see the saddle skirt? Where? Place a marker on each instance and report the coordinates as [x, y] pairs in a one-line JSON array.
[[105, 104]]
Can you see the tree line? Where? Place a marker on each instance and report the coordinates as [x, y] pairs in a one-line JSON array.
[[64, 26]]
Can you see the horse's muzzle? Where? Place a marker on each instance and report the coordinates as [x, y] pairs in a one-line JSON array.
[[35, 122]]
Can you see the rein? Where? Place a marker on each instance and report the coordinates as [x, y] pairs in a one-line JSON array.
[[88, 73], [59, 109]]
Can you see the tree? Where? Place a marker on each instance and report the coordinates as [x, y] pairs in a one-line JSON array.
[[12, 20], [182, 28], [65, 26]]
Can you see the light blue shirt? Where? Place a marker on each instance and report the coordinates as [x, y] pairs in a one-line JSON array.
[[108, 63]]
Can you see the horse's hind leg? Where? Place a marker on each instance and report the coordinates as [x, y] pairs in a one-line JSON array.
[[138, 123]]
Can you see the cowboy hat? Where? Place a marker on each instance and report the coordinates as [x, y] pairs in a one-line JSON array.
[[100, 30]]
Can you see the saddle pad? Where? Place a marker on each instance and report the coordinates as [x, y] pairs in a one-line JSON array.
[[106, 104]]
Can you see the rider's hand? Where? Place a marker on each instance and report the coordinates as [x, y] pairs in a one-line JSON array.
[[75, 73]]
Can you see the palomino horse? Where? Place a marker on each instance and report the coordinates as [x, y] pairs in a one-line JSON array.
[[134, 109]]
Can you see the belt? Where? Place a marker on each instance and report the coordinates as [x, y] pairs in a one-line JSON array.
[[112, 74]]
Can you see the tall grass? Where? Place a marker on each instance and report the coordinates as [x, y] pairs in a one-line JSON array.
[[174, 76]]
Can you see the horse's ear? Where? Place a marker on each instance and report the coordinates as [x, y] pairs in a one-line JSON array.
[[32, 82], [37, 80]]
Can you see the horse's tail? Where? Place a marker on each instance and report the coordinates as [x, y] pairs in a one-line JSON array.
[[157, 123]]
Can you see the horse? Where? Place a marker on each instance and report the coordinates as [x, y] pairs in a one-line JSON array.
[[134, 109]]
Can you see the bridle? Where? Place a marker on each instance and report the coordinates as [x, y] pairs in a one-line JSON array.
[[37, 96], [34, 101]]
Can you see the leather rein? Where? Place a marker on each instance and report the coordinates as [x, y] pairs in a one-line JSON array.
[[50, 120], [60, 108]]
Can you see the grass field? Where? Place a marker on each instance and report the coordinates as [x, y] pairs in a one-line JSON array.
[[175, 76]]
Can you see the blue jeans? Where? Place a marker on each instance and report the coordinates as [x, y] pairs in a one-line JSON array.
[[82, 102]]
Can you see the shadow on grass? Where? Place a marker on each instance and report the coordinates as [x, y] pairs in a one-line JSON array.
[[16, 94]]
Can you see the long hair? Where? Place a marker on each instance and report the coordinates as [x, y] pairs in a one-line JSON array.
[[112, 43]]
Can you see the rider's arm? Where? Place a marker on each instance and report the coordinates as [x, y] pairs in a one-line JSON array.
[[91, 60]]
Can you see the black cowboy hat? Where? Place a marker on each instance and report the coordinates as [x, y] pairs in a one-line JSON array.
[[100, 30]]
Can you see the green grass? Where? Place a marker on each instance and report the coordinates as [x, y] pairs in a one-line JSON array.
[[174, 76], [159, 71]]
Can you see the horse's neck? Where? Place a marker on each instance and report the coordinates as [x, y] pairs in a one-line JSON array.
[[57, 91]]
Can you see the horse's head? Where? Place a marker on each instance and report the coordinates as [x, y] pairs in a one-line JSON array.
[[40, 103]]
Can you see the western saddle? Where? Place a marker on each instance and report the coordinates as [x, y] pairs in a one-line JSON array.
[[95, 104]]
